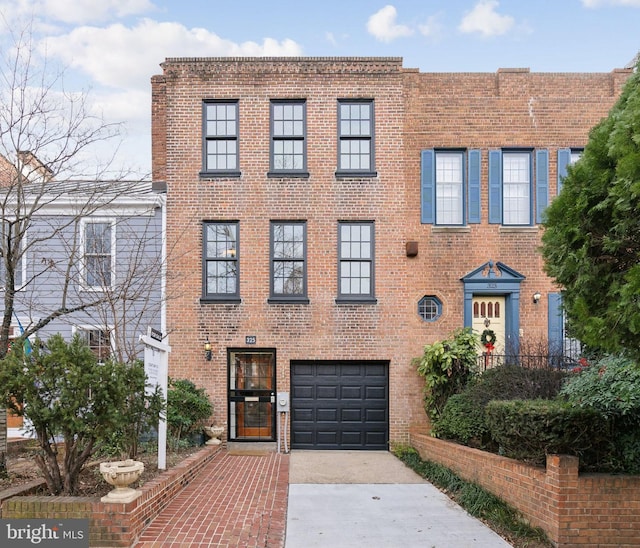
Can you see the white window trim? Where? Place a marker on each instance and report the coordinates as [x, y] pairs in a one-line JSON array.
[[95, 327], [83, 272], [23, 266]]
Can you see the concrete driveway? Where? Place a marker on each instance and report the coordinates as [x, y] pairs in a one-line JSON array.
[[350, 499]]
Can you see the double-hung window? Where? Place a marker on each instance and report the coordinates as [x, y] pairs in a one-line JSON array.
[[220, 253], [98, 340], [356, 261], [289, 261], [355, 138], [98, 246], [220, 128], [517, 187], [450, 187], [566, 157], [288, 138]]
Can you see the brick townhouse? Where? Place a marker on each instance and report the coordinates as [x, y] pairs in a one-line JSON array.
[[328, 217]]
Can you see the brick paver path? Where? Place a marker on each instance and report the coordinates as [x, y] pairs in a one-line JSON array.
[[237, 500]]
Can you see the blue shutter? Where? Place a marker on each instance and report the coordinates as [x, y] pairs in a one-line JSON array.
[[427, 187], [474, 186], [555, 324], [495, 186], [542, 183], [564, 159]]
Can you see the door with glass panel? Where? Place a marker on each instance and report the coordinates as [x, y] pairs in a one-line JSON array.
[[251, 394]]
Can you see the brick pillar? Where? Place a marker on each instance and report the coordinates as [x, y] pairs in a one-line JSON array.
[[562, 484]]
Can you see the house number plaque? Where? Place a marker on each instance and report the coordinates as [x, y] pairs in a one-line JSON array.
[[250, 339]]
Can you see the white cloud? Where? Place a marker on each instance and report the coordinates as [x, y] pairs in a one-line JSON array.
[[432, 28], [598, 3], [485, 20], [78, 12], [382, 25], [126, 57]]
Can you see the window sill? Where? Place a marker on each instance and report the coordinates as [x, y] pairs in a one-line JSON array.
[[450, 229], [288, 300], [288, 174], [220, 300], [355, 174], [208, 175], [347, 300], [520, 229]]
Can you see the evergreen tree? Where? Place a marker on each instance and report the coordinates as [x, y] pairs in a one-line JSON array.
[[591, 243]]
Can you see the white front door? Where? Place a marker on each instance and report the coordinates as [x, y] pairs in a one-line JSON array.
[[489, 313]]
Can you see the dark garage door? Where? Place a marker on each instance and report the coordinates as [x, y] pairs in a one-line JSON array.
[[340, 405]]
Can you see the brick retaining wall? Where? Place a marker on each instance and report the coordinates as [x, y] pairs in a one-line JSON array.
[[114, 524], [573, 509]]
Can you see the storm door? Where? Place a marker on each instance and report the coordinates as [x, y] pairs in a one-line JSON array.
[[252, 394]]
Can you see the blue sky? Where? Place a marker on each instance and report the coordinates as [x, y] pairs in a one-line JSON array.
[[113, 47]]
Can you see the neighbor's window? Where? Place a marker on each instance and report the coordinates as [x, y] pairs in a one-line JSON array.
[[516, 188], [12, 241], [356, 261], [355, 137], [98, 253], [220, 254], [221, 137], [429, 308], [98, 340], [288, 261], [288, 138], [449, 188]]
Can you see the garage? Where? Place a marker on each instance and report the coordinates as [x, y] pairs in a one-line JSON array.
[[340, 405]]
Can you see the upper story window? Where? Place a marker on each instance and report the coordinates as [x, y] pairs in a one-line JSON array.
[[289, 261], [356, 261], [98, 246], [288, 138], [356, 138], [517, 188], [12, 250], [220, 260], [566, 157], [220, 127], [450, 187]]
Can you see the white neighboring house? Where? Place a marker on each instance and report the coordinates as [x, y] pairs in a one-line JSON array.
[[91, 261]]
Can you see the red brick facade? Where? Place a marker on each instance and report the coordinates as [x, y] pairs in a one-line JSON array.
[[573, 510], [414, 111]]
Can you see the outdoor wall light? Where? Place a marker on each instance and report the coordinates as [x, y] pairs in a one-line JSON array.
[[207, 350], [536, 297]]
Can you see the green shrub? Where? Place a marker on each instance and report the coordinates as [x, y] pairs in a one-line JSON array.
[[529, 430], [187, 409], [463, 417], [462, 420], [447, 366], [612, 387]]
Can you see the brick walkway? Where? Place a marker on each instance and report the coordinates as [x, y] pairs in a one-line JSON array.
[[237, 500]]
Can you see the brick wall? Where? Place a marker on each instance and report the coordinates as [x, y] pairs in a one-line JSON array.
[[413, 111], [574, 510], [112, 524]]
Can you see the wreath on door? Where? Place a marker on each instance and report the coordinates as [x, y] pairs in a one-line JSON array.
[[488, 339]]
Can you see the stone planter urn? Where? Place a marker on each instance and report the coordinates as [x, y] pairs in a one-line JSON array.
[[121, 474], [214, 433]]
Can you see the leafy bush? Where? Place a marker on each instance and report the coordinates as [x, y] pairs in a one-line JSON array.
[[187, 409], [447, 366], [612, 387], [462, 420], [71, 400], [529, 430], [463, 417]]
